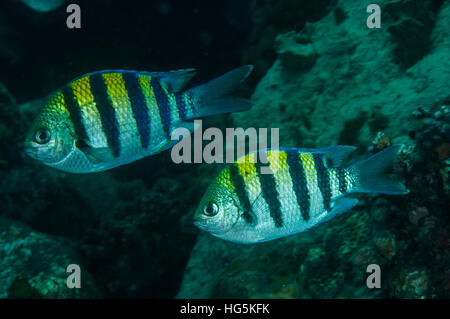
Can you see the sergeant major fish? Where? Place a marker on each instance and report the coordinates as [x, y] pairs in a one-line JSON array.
[[109, 118], [307, 187]]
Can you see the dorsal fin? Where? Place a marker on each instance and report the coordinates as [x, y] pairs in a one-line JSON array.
[[176, 81], [335, 155]]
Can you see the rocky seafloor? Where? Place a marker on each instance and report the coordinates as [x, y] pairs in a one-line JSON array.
[[324, 79], [338, 82]]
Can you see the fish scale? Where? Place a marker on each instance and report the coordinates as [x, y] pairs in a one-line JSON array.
[[306, 187], [115, 117], [278, 162]]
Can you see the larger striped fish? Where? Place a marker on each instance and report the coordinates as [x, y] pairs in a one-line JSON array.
[[110, 118], [307, 187]]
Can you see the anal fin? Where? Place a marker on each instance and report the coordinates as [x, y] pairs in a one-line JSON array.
[[189, 126], [341, 205]]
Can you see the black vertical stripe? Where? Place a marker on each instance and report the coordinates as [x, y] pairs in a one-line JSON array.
[[75, 114], [341, 180], [139, 106], [270, 194], [181, 106], [323, 179], [299, 182], [107, 112], [239, 185], [163, 105]]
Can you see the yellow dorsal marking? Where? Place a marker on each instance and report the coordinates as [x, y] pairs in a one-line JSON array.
[[224, 179], [117, 91], [118, 94], [249, 158], [247, 167], [277, 160], [316, 198], [283, 181], [309, 167], [144, 81], [57, 102], [278, 164], [82, 91], [152, 106]]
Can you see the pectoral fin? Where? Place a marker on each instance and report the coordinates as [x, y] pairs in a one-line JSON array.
[[95, 154]]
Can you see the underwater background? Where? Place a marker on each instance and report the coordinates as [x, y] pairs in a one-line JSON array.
[[321, 76]]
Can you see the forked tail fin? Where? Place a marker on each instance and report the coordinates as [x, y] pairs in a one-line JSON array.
[[370, 174]]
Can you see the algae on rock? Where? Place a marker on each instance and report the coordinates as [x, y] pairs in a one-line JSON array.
[[338, 82]]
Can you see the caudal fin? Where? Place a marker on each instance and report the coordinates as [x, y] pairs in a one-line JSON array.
[[370, 173], [213, 97]]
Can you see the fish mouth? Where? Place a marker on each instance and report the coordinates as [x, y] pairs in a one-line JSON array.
[[34, 152], [199, 224], [30, 151]]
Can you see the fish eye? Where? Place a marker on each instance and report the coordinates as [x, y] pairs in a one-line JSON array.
[[42, 136], [211, 209]]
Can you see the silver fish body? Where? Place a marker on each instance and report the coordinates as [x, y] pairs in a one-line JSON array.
[[307, 187], [109, 118]]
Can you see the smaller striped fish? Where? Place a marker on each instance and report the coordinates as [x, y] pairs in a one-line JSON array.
[[109, 118], [307, 187]]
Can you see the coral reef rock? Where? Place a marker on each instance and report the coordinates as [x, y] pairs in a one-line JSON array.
[[353, 87], [34, 265], [338, 82]]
